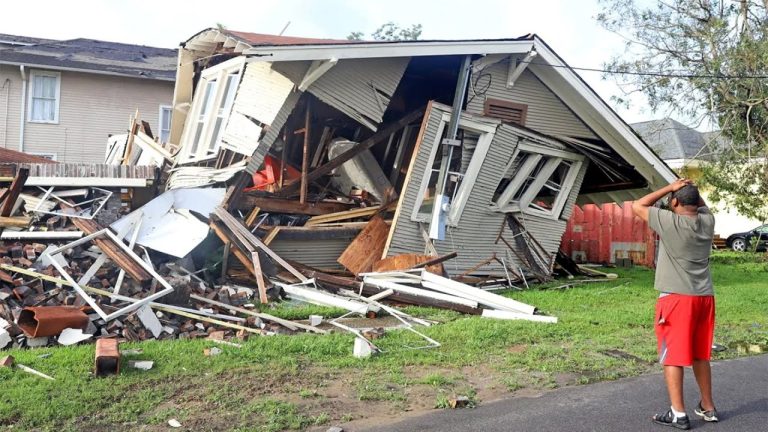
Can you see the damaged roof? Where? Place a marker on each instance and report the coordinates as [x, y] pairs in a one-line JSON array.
[[671, 139], [93, 56]]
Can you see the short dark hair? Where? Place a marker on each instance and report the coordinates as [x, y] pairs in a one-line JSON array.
[[688, 195]]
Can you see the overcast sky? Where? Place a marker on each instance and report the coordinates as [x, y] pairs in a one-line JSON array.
[[568, 26]]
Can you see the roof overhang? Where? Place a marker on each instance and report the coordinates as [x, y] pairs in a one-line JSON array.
[[33, 65]]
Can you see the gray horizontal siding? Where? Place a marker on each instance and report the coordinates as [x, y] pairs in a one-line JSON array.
[[351, 86], [546, 112], [475, 236], [314, 253]]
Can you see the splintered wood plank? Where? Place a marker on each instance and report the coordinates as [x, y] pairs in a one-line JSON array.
[[405, 262], [366, 248], [14, 191]]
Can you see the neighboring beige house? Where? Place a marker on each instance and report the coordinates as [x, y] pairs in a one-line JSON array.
[[62, 99]]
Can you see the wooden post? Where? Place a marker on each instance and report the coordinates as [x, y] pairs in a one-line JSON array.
[[13, 192], [305, 157]]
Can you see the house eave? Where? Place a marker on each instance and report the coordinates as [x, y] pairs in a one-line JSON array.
[[88, 71], [383, 50]]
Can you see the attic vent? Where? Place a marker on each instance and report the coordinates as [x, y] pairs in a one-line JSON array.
[[506, 111]]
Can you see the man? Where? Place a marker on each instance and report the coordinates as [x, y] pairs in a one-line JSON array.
[[685, 310]]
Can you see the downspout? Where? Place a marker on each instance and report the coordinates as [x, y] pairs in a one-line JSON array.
[[441, 205], [7, 83], [23, 106]]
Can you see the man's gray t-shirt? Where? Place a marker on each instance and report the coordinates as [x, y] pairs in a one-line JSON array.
[[686, 241]]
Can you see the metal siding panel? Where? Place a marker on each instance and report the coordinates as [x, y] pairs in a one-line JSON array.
[[261, 92], [347, 86], [546, 112], [317, 253]]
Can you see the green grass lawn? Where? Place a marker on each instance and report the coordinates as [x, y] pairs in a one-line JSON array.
[[297, 382]]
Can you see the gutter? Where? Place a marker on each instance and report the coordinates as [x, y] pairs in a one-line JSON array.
[[23, 106], [90, 71]]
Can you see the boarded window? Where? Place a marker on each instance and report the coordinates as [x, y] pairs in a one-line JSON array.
[[506, 111]]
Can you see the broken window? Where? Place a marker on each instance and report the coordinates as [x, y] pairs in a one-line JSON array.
[[211, 107], [465, 163], [537, 181]]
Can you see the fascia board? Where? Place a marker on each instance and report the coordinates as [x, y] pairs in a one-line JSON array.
[[599, 116], [44, 67], [383, 50]]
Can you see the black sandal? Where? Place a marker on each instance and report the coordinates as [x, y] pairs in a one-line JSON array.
[[668, 419]]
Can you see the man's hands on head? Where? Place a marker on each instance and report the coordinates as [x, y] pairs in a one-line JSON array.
[[679, 184]]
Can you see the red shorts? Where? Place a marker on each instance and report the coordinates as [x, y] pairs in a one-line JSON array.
[[684, 328]]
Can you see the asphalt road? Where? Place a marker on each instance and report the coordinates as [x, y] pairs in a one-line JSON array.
[[740, 391]]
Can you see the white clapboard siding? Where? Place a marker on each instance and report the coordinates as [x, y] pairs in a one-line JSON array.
[[262, 92]]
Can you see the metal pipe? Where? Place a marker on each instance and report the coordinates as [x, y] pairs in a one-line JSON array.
[[23, 112], [7, 101], [436, 225]]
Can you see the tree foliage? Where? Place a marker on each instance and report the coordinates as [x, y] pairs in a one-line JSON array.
[[390, 32], [705, 60]]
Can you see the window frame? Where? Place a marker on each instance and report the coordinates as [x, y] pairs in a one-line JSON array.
[[46, 155], [504, 202], [31, 91], [220, 74], [161, 109], [487, 132]]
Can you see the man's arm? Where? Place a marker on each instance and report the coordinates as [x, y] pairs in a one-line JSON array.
[[640, 207]]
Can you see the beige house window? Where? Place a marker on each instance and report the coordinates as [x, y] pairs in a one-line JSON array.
[[506, 111], [44, 95], [210, 110], [164, 123]]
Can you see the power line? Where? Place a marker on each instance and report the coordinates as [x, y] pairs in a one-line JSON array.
[[654, 74]]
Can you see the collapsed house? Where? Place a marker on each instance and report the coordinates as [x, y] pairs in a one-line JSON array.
[[502, 131], [334, 172]]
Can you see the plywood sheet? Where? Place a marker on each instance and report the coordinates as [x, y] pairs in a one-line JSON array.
[[366, 248]]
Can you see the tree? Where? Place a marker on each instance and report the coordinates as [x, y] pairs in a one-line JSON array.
[[390, 32], [705, 60]]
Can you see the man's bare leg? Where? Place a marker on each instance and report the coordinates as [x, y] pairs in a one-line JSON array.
[[703, 373], [673, 375]]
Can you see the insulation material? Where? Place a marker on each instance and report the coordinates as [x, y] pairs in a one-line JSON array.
[[242, 134], [361, 88], [262, 92], [361, 172], [168, 226]]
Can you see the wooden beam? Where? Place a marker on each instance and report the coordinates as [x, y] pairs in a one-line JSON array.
[[351, 153], [366, 248], [278, 205], [305, 156], [14, 191], [259, 275], [113, 251], [15, 221], [344, 215]]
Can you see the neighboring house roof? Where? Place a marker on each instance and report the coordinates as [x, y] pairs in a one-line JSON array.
[[7, 40], [671, 139], [13, 156], [94, 56]]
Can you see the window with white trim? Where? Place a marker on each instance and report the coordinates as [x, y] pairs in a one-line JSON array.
[[164, 123], [537, 181], [44, 94], [211, 107], [463, 169]]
